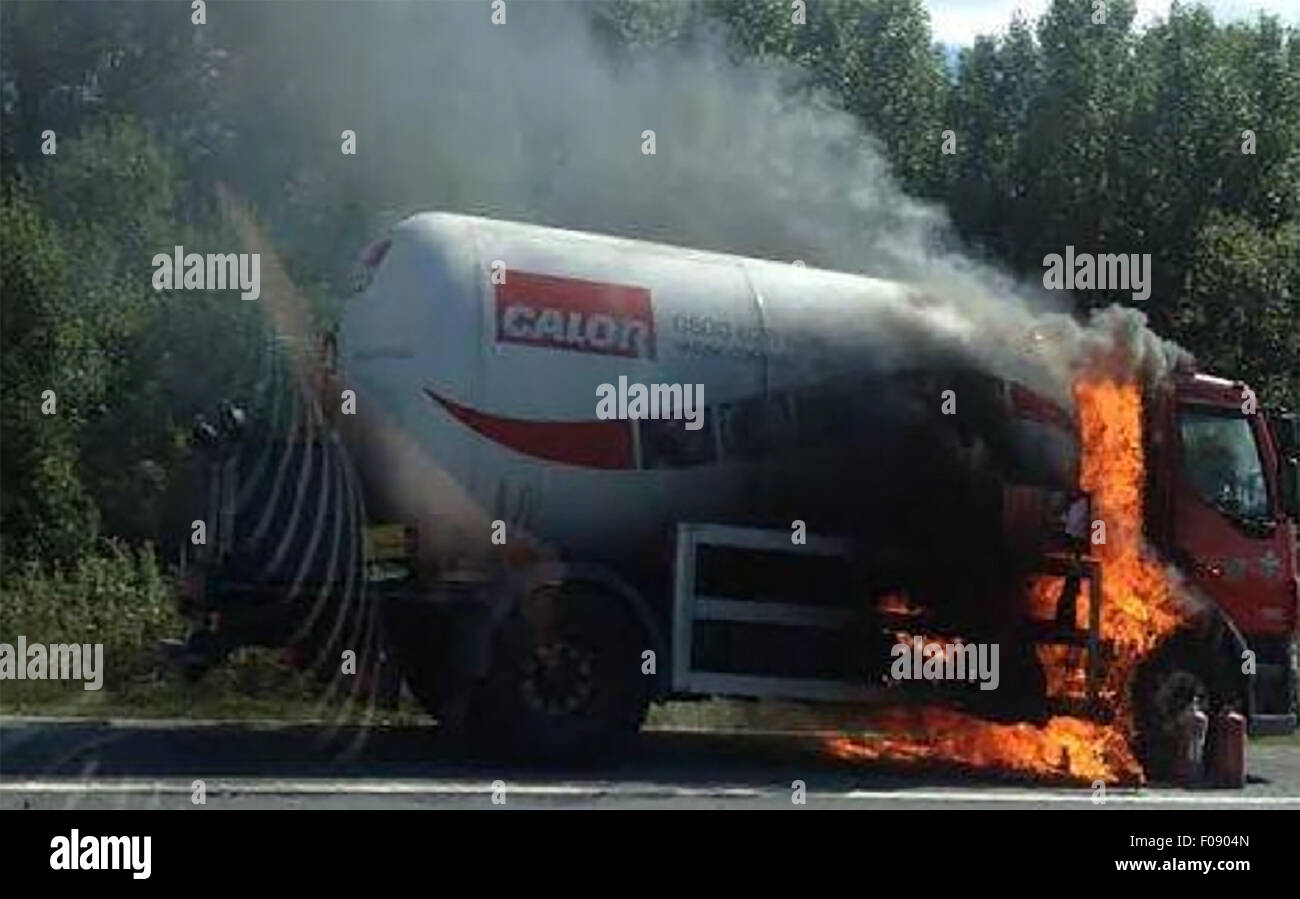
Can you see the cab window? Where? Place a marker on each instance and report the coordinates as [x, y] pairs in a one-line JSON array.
[[1222, 462]]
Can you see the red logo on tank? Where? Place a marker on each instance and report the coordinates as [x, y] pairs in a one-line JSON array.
[[577, 315]]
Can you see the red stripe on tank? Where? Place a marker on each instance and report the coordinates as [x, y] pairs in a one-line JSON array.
[[588, 444]]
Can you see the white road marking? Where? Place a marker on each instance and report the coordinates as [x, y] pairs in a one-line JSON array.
[[362, 786], [264, 724], [619, 790], [380, 787], [1082, 796]]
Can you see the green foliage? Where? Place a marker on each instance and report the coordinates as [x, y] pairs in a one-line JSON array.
[[1113, 140], [116, 597], [130, 366], [119, 597], [875, 55], [1071, 132], [1241, 303], [44, 346], [645, 23], [66, 66]]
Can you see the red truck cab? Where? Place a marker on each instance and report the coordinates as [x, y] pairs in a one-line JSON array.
[[1222, 506]]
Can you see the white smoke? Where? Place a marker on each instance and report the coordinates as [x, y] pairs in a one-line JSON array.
[[534, 120]]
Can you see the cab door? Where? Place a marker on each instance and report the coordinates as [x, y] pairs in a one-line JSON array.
[[1227, 523]]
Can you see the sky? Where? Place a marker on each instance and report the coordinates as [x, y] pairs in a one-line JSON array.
[[958, 21]]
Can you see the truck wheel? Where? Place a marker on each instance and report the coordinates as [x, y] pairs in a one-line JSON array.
[[1162, 692], [564, 678]]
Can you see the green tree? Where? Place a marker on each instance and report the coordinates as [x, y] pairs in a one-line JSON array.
[[875, 56], [44, 346], [1240, 306]]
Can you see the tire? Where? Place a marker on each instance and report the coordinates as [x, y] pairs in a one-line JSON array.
[[564, 677], [1162, 691]]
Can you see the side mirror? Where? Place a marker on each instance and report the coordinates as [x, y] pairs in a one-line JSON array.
[[1285, 428]]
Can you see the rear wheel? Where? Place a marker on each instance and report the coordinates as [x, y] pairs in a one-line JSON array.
[[564, 678]]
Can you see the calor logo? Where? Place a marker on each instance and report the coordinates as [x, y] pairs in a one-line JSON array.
[[573, 314]]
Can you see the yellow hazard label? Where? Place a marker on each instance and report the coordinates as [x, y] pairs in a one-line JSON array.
[[386, 541]]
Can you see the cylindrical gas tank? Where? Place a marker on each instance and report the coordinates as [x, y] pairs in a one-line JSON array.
[[478, 347], [527, 319], [1228, 766]]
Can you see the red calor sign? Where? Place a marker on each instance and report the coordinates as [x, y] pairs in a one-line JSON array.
[[576, 315]]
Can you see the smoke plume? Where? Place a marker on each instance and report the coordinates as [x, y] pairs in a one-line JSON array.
[[538, 120]]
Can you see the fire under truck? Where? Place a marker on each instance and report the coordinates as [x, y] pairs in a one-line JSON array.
[[538, 576]]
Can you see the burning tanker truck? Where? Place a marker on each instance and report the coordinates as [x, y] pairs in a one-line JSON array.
[[549, 477]]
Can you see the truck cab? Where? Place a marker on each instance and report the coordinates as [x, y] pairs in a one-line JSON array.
[[1222, 506]]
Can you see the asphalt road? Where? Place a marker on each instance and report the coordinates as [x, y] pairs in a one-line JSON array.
[[141, 764]]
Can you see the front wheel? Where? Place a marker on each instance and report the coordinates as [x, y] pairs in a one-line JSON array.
[[564, 678], [1165, 690]]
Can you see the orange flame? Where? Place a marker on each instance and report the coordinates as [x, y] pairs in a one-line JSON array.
[[896, 603], [1139, 608], [1063, 748], [1138, 598]]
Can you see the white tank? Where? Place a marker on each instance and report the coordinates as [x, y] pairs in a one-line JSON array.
[[477, 347]]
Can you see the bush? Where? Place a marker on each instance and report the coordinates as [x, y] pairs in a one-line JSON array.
[[115, 597]]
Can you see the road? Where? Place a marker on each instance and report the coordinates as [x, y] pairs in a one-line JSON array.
[[57, 763]]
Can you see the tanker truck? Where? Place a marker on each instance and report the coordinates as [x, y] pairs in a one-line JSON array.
[[827, 463]]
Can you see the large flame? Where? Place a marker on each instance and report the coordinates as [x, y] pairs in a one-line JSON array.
[[1064, 748], [1139, 608], [1138, 597]]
